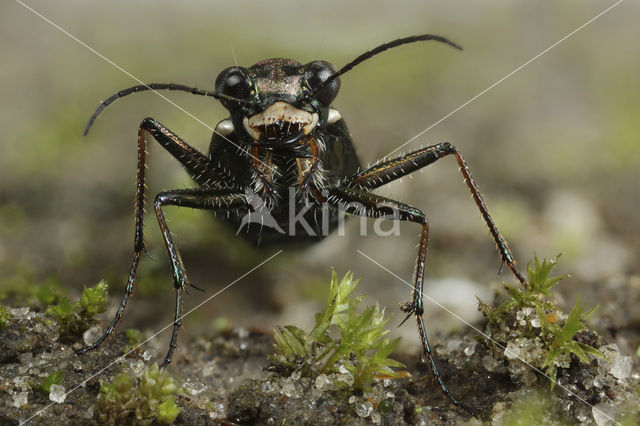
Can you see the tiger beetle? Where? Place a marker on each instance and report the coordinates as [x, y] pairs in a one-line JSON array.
[[283, 137]]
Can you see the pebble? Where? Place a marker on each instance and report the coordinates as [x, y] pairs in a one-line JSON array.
[[25, 357], [57, 393], [470, 350], [603, 414], [20, 312], [512, 351], [490, 363], [621, 366], [364, 409], [267, 387], [195, 388], [218, 411], [289, 390], [20, 399], [91, 335]]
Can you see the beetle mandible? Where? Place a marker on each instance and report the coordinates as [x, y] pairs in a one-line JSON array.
[[283, 137]]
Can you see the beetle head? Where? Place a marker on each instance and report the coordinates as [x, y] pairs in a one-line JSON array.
[[275, 101]]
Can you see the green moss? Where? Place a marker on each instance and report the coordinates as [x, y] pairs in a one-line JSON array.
[[563, 342], [94, 299], [556, 336], [134, 337], [4, 316], [21, 289], [536, 295], [141, 401], [75, 318], [221, 323], [54, 378], [361, 347], [631, 418], [49, 292], [535, 408]]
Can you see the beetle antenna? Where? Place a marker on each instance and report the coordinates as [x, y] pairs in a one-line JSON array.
[[152, 86], [382, 48]]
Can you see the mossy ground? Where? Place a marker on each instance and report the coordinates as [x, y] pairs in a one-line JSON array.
[[222, 376]]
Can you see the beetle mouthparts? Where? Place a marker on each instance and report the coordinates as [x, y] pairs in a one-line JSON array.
[[279, 121]]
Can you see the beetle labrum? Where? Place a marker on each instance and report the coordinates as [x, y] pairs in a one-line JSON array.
[[283, 137]]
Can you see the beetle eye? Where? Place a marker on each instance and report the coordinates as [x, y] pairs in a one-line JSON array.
[[233, 82], [317, 73]]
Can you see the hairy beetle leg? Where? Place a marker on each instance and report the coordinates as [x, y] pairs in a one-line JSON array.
[[202, 171]]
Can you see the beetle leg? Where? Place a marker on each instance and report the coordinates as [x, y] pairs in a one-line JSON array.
[[138, 245], [361, 203], [200, 169], [390, 170], [198, 198]]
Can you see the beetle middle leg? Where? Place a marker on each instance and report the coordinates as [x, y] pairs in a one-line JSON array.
[[199, 198]]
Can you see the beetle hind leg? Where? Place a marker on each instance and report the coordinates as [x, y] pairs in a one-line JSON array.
[[362, 203], [138, 245]]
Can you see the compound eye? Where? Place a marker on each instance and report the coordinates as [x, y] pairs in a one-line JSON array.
[[233, 82], [316, 74]]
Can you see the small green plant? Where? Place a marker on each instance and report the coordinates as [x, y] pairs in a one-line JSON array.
[[134, 337], [75, 318], [20, 290], [138, 401], [361, 348], [49, 292], [4, 317], [535, 407], [563, 343], [534, 319], [54, 378], [536, 295]]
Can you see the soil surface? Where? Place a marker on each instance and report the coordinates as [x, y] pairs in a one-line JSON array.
[[224, 378]]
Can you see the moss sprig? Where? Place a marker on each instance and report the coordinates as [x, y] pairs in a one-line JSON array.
[[4, 316], [545, 323], [361, 348], [75, 318], [128, 400]]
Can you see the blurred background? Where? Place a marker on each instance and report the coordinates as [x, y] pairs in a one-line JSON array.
[[555, 149]]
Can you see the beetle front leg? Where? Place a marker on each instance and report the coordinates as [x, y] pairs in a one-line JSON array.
[[197, 165], [199, 198], [366, 204], [390, 170], [205, 172]]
